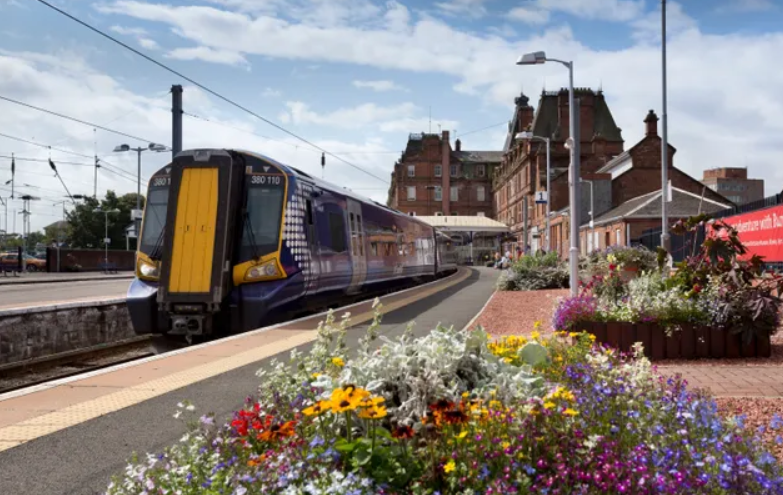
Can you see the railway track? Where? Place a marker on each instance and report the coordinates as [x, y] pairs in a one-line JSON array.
[[24, 374]]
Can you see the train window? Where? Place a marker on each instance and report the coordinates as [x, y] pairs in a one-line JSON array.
[[337, 231], [309, 211], [155, 219], [261, 232], [373, 249]]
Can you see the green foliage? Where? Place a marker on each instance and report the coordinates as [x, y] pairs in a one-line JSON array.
[[86, 227], [535, 272]]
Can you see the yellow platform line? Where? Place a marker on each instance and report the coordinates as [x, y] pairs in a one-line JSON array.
[[39, 426]]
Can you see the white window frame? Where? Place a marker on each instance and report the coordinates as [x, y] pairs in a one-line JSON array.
[[438, 193], [481, 171], [617, 234], [411, 170], [481, 193], [454, 193], [409, 189], [589, 242], [438, 170], [480, 214], [454, 170]]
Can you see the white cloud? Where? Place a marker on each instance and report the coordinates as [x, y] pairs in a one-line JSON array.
[[648, 27], [379, 85], [63, 82], [270, 93], [529, 15], [397, 118], [206, 54], [735, 6], [471, 8], [141, 35]]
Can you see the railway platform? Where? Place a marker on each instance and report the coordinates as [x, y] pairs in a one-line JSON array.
[[71, 435]]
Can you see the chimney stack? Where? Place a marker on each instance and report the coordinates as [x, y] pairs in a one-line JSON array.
[[652, 124], [458, 145]]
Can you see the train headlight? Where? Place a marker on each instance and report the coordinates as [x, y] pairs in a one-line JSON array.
[[148, 270], [267, 270]]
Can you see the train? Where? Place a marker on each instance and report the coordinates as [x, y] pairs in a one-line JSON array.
[[230, 237]]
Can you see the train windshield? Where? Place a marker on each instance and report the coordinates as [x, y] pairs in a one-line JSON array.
[[154, 221], [261, 226]]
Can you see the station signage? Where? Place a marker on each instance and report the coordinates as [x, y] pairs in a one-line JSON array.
[[761, 232]]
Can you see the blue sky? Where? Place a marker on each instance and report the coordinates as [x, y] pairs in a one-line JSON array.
[[358, 76]]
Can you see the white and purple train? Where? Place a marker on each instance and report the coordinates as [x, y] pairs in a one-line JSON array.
[[229, 237]]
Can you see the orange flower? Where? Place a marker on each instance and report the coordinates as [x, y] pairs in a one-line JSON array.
[[403, 431], [276, 432]]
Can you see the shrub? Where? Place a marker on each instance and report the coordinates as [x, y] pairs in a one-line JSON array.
[[601, 262], [535, 272]]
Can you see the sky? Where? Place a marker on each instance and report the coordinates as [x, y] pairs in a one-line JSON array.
[[356, 77]]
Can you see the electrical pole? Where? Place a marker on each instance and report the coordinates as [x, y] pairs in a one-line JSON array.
[[95, 183], [176, 121], [665, 238]]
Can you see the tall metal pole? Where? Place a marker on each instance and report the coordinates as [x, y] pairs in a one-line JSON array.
[[137, 220], [95, 182], [176, 120], [665, 239], [548, 197], [574, 183], [106, 244]]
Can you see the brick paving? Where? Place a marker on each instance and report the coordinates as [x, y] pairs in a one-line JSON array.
[[732, 380]]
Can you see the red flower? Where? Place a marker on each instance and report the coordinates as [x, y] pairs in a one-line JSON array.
[[697, 288], [612, 267]]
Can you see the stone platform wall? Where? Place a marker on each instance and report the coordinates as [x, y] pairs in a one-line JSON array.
[[31, 333]]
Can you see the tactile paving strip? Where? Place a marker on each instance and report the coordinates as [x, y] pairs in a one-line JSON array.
[[14, 435]]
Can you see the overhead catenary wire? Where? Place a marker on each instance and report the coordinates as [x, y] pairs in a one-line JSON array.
[[74, 119], [208, 90], [106, 165]]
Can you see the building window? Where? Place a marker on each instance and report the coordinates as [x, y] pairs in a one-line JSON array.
[[617, 237], [411, 170], [480, 214], [481, 171], [589, 242], [438, 213], [454, 170], [412, 213], [411, 193], [438, 193], [454, 193], [480, 193], [438, 170]]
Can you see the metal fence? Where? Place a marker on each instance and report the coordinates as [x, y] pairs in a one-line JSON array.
[[682, 245]]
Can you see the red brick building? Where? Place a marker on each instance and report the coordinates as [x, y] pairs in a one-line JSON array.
[[733, 183], [522, 171], [431, 179]]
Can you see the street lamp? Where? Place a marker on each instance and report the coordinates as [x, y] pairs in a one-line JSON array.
[[527, 135], [592, 209], [540, 58], [106, 239], [150, 147]]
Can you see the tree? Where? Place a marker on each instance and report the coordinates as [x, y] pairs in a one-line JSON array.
[[87, 228]]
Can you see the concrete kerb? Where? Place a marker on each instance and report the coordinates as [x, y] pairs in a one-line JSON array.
[[57, 280], [473, 320]]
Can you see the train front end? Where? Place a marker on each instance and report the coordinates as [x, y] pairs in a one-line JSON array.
[[206, 229]]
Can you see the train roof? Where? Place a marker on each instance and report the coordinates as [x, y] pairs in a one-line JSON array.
[[295, 172]]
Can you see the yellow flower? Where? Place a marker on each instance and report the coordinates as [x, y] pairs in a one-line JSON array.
[[592, 338], [549, 405], [316, 375], [465, 395], [537, 325], [450, 466], [535, 335], [374, 412], [506, 445], [347, 398], [317, 408], [573, 334], [495, 405], [462, 435], [338, 361], [570, 412]]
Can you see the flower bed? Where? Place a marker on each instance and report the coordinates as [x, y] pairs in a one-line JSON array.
[[453, 412], [715, 305], [535, 272]]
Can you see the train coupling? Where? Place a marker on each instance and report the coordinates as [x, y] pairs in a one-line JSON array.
[[187, 325]]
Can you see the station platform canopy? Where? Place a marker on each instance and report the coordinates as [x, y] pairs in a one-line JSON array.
[[465, 224]]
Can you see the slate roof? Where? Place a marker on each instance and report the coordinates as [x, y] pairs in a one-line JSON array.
[[466, 156], [684, 204], [465, 223]]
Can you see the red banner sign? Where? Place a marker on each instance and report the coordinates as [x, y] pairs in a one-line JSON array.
[[761, 232]]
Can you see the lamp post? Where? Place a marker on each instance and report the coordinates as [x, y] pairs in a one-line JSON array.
[[527, 135], [592, 208], [150, 147], [665, 238], [540, 58], [106, 239]]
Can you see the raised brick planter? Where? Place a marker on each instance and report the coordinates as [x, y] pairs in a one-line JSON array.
[[691, 342]]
